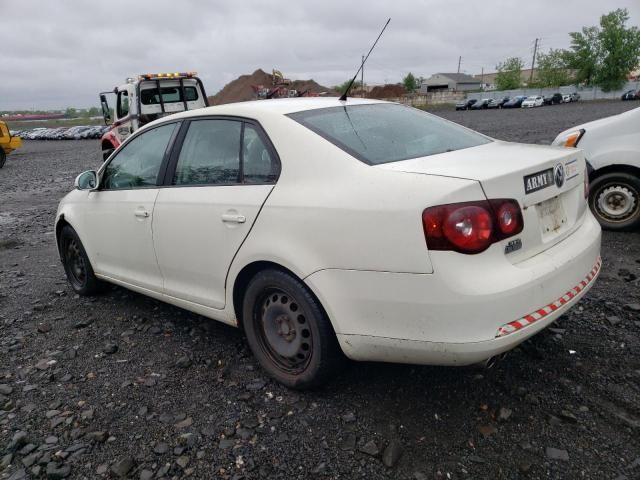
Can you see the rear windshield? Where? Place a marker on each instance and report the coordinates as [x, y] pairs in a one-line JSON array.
[[383, 133], [149, 96]]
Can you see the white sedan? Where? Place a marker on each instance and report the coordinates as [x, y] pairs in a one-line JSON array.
[[533, 101], [324, 227], [612, 148]]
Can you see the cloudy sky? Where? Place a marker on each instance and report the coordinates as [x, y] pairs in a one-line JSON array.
[[60, 53]]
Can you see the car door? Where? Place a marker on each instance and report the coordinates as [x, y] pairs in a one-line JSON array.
[[219, 180], [117, 217]]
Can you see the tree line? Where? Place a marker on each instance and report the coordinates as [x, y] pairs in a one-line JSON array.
[[599, 56]]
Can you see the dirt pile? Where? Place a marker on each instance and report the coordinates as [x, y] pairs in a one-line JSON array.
[[387, 91], [240, 89]]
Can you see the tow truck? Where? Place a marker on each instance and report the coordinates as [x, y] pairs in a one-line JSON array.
[[145, 98], [7, 143]]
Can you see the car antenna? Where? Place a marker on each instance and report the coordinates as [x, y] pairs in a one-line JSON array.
[[346, 92]]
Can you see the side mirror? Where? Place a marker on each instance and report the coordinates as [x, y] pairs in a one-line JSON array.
[[86, 180], [106, 112]]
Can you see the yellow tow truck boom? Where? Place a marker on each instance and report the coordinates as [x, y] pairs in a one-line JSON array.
[[7, 143]]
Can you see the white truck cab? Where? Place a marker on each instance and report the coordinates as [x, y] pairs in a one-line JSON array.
[[145, 98]]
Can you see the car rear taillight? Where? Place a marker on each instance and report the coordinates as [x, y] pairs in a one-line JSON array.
[[471, 227]]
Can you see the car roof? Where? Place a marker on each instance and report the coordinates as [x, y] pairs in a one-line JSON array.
[[279, 106]]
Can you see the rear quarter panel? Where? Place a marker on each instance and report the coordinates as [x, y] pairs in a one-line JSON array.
[[331, 211]]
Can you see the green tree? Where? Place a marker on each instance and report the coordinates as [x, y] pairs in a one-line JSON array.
[[604, 55], [552, 69], [70, 113], [94, 112], [410, 82], [509, 72], [620, 48], [583, 56]]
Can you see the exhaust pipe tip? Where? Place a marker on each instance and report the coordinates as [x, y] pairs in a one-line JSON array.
[[491, 362]]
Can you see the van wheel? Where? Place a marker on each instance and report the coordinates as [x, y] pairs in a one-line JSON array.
[[76, 264], [614, 199], [3, 157], [288, 331]]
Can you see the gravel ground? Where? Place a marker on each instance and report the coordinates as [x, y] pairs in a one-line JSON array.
[[124, 386]]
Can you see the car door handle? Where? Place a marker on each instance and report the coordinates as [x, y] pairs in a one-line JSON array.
[[233, 218], [141, 212]]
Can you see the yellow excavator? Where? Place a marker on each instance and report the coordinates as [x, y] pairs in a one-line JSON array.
[[7, 143]]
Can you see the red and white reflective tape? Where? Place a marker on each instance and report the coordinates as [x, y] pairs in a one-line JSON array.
[[546, 310]]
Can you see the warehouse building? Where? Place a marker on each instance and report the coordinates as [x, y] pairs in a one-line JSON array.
[[453, 82]]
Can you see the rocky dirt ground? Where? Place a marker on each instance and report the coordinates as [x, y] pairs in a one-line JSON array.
[[123, 386]]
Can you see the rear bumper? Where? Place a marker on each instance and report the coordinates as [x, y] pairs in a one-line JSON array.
[[454, 316]]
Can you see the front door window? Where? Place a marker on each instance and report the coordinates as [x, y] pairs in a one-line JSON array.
[[138, 163]]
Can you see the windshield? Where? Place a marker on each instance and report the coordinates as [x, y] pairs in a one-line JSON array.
[[383, 133]]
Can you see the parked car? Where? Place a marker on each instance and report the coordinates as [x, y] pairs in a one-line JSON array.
[[481, 104], [532, 101], [465, 104], [421, 251], [612, 149], [554, 99], [570, 97], [497, 102], [515, 102], [632, 94]]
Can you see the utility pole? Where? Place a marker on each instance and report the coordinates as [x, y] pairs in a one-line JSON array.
[[533, 62], [482, 79], [459, 62], [362, 78]]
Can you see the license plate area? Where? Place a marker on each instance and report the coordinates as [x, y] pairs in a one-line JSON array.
[[552, 216]]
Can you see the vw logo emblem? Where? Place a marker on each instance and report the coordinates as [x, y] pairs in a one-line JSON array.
[[558, 175]]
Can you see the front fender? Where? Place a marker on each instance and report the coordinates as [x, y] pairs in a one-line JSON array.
[[615, 157]]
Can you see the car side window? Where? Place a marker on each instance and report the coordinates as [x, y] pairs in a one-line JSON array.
[[258, 164], [123, 104], [138, 163], [210, 153]]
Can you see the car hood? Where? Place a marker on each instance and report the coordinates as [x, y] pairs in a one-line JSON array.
[[631, 117]]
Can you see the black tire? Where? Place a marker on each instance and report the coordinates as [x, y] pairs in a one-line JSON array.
[[288, 331], [76, 264], [616, 191], [3, 157]]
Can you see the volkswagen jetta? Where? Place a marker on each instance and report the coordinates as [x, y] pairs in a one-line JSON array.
[[326, 228]]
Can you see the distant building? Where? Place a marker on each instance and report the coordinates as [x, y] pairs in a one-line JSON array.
[[488, 79], [453, 82]]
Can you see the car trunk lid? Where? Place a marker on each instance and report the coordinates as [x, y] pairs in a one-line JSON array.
[[547, 182]]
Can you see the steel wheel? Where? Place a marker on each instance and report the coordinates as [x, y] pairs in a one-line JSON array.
[[617, 202], [288, 331], [76, 266], [76, 263], [283, 331], [614, 199]]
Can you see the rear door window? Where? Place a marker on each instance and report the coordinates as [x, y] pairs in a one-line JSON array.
[[259, 165], [210, 154]]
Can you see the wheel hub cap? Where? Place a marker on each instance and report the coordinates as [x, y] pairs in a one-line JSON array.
[[617, 202]]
